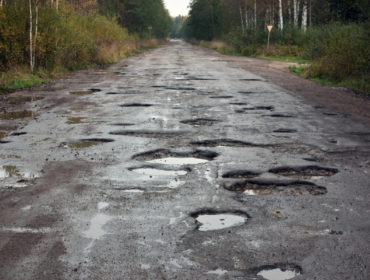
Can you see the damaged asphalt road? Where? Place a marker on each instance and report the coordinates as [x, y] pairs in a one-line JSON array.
[[177, 164]]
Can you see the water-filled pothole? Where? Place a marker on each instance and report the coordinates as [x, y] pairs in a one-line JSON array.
[[227, 143], [23, 99], [221, 97], [240, 174], [86, 143], [136, 105], [83, 92], [180, 88], [75, 120], [304, 171], [239, 103], [17, 115], [149, 133], [123, 124], [200, 121], [250, 187], [209, 219], [151, 170], [278, 271], [285, 130], [95, 89], [165, 156], [259, 108], [252, 80], [279, 115], [18, 133]]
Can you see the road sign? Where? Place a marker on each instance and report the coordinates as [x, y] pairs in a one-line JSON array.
[[269, 27]]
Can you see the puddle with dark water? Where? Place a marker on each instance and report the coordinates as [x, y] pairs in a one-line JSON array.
[[200, 121], [18, 133], [95, 89], [238, 103], [250, 187], [285, 130], [279, 271], [86, 92], [240, 174], [221, 97], [180, 88], [136, 105], [86, 143], [149, 133], [123, 124], [227, 143], [252, 80], [23, 99], [165, 156], [75, 120], [304, 171], [259, 108], [210, 220], [17, 115], [278, 115]]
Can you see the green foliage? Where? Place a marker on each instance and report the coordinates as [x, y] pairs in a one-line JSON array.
[[177, 29]]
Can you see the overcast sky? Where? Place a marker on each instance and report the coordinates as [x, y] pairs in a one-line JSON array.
[[177, 7]]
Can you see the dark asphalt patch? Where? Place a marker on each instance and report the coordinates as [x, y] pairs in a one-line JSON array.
[[267, 188], [200, 121], [304, 171], [164, 153], [240, 174]]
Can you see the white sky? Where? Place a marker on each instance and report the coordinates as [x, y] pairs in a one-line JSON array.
[[177, 7]]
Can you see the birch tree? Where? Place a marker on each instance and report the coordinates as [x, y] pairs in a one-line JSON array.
[[281, 23], [295, 11], [255, 15], [33, 32], [241, 17], [304, 15]]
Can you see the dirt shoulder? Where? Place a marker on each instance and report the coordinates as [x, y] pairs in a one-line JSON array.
[[331, 99]]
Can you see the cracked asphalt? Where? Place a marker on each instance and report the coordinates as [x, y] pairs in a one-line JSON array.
[[115, 173]]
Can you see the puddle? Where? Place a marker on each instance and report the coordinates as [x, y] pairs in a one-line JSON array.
[[75, 120], [17, 115], [180, 88], [239, 174], [149, 133], [250, 187], [285, 130], [85, 143], [86, 92], [164, 156], [209, 220], [23, 99], [18, 133], [95, 89], [238, 103], [252, 80], [279, 272], [221, 97], [227, 143], [200, 121], [259, 108], [279, 116], [97, 223], [154, 171], [304, 172], [136, 105], [123, 124], [248, 92]]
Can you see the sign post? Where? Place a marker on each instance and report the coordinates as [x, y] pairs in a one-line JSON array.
[[269, 28]]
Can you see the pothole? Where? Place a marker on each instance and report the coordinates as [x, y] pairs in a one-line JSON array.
[[165, 156], [136, 105], [23, 99], [278, 115], [151, 170], [247, 92], [123, 124], [250, 187], [149, 133], [86, 143], [279, 271], [222, 97], [259, 108], [239, 174], [252, 80], [75, 120], [17, 115], [239, 103], [285, 130], [227, 143], [304, 171], [181, 88], [83, 92], [200, 121], [95, 90], [209, 219], [18, 133]]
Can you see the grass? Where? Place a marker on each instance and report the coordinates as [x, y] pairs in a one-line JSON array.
[[295, 59], [356, 84], [11, 171], [19, 78], [2, 134], [83, 144]]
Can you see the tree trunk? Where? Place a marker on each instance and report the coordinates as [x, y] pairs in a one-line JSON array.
[[1, 3], [241, 16], [36, 31], [255, 15], [31, 37], [295, 12], [290, 11], [304, 15], [57, 5], [246, 15], [281, 23]]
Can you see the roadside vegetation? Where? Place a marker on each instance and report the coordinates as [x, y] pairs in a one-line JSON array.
[[40, 40], [329, 38]]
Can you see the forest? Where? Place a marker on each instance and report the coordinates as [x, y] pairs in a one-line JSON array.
[[333, 36], [42, 39]]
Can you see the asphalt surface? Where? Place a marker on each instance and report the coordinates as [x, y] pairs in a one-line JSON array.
[[127, 182]]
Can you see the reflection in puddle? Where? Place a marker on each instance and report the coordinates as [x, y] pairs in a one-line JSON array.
[[96, 226], [178, 160], [133, 191], [159, 172], [219, 221], [278, 274]]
